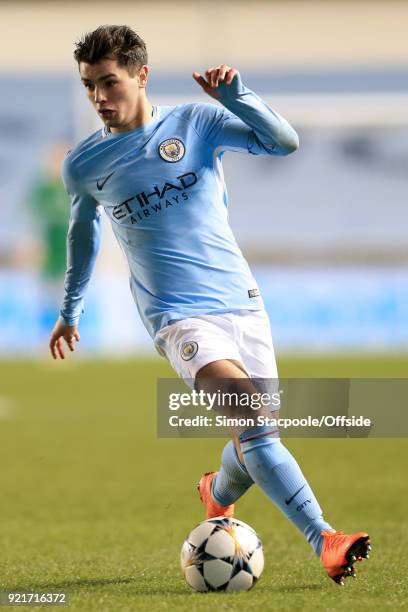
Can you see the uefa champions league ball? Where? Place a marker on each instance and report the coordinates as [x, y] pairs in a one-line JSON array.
[[222, 554]]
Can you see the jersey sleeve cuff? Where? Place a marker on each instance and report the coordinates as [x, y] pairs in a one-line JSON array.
[[230, 93], [69, 320]]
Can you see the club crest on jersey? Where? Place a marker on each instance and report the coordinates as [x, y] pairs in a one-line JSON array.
[[172, 150], [188, 350]]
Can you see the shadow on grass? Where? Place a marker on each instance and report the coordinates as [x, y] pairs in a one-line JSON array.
[[147, 589], [298, 587]]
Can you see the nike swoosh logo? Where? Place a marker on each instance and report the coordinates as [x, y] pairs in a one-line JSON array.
[[101, 184], [287, 501]]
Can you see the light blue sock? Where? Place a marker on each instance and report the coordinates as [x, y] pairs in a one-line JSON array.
[[275, 470], [232, 480]]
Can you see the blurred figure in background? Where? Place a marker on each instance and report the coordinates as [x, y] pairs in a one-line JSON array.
[[49, 204]]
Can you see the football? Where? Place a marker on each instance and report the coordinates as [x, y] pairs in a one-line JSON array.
[[222, 554]]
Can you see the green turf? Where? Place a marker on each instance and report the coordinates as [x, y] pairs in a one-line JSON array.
[[92, 503]]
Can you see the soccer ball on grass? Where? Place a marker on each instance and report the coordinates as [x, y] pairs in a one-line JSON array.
[[222, 554]]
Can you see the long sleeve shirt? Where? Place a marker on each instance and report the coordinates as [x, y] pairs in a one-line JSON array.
[[162, 187]]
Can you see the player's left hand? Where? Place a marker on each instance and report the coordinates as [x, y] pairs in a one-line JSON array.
[[214, 77]]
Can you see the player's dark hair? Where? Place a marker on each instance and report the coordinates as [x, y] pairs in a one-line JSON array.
[[115, 42]]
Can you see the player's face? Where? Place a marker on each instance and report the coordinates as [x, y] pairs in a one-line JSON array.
[[115, 94]]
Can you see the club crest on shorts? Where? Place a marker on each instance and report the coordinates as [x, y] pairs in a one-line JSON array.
[[172, 150], [188, 350]]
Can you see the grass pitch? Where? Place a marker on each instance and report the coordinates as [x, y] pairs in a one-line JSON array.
[[94, 504]]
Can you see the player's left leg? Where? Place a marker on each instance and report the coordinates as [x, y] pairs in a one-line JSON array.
[[268, 463], [273, 468], [277, 473]]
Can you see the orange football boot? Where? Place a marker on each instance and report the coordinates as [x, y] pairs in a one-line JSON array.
[[211, 507], [340, 551]]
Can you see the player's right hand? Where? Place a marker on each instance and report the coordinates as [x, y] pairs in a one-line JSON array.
[[61, 331]]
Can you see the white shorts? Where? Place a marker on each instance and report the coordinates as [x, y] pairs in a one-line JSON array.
[[242, 335]]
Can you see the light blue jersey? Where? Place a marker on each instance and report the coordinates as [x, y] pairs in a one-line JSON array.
[[162, 187]]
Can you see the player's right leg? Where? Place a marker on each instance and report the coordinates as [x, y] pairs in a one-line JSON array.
[[220, 490], [273, 468], [211, 339]]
